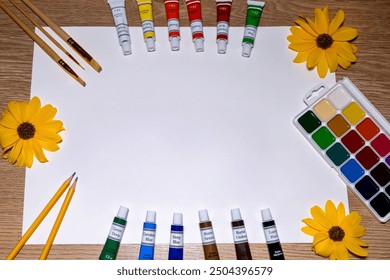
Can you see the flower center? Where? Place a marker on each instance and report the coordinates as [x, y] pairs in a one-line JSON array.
[[324, 41], [26, 131], [336, 233]]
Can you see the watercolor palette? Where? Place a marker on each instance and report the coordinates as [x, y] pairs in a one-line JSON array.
[[353, 138]]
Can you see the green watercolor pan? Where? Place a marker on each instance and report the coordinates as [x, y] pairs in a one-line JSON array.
[[353, 138]]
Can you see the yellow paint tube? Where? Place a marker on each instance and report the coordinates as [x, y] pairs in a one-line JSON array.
[[145, 10]]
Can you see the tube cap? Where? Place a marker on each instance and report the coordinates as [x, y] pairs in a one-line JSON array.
[[126, 47], [266, 215], [199, 45], [123, 212], [150, 217], [203, 216], [150, 44], [246, 49], [175, 43], [177, 219], [236, 214], [222, 46]]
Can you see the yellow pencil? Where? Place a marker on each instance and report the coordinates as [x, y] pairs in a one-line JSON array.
[[40, 218], [58, 221]]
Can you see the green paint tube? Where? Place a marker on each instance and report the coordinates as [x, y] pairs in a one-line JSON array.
[[111, 247], [253, 15]]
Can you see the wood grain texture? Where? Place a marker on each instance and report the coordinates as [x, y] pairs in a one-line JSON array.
[[371, 74]]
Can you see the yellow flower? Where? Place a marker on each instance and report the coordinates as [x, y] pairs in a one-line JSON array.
[[26, 129], [334, 232], [323, 44]]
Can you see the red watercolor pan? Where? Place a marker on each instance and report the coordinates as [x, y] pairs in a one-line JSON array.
[[353, 138]]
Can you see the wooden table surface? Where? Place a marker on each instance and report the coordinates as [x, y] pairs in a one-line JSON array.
[[371, 74]]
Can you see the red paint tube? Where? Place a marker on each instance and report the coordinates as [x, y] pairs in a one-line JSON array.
[[172, 13], [195, 16], [223, 17]]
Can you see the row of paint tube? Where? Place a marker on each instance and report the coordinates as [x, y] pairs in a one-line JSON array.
[[145, 8], [176, 244]]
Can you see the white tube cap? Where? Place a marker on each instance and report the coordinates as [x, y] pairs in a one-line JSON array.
[[203, 216], [150, 217], [236, 214], [150, 44], [222, 44], [175, 43], [246, 49], [199, 44], [126, 47], [177, 219], [123, 212], [266, 215]]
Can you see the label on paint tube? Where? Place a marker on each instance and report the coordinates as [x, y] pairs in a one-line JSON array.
[[222, 28], [250, 32], [196, 26], [271, 234], [148, 237], [239, 235], [173, 25], [147, 26], [116, 232], [207, 235], [176, 240]]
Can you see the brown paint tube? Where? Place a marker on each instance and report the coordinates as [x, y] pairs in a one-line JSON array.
[[240, 237], [207, 234]]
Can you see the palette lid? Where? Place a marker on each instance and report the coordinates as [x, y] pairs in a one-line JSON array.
[[315, 94]]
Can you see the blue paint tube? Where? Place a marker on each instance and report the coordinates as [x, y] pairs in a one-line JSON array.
[[146, 251], [176, 241]]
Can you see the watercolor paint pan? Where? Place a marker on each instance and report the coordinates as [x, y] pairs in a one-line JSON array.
[[353, 138]]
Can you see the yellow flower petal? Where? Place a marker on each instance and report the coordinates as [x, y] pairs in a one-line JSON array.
[[314, 224], [309, 231], [344, 50], [356, 231], [331, 212], [354, 48], [305, 26], [54, 125], [46, 113], [336, 22], [47, 135], [322, 67], [32, 108], [48, 145], [340, 212], [332, 59], [8, 120], [301, 33], [314, 58], [352, 219], [354, 247], [319, 237], [28, 153], [345, 33], [8, 139], [302, 56], [345, 64], [320, 217], [302, 46], [16, 111], [321, 20], [340, 251], [38, 152], [324, 248], [15, 152]]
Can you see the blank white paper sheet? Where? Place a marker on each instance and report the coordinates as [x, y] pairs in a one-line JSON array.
[[179, 132]]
